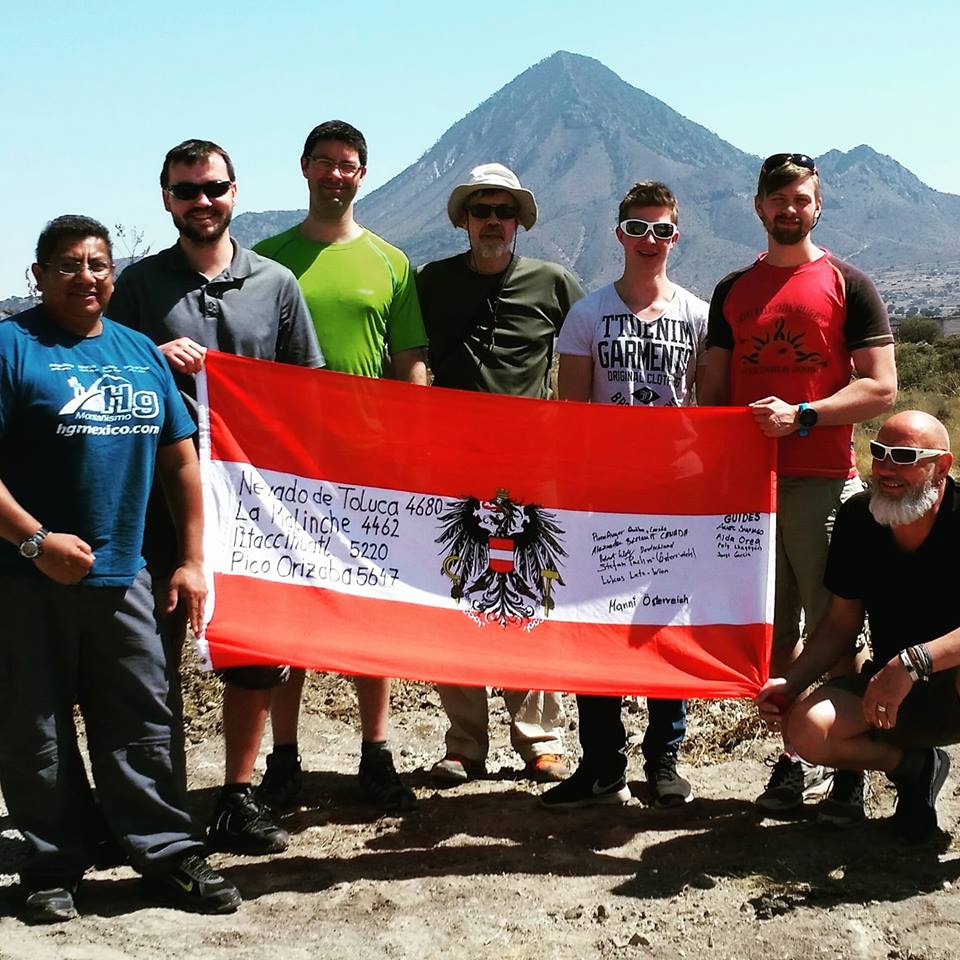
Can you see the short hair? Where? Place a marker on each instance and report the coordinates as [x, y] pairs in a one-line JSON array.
[[71, 226], [649, 193], [770, 181], [191, 152], [337, 130]]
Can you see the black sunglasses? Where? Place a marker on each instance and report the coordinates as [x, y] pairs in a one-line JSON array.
[[190, 191], [902, 455], [483, 211], [776, 160]]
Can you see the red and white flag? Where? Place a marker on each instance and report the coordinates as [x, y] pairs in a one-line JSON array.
[[375, 528]]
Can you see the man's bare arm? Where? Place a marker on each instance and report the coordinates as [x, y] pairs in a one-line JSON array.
[[575, 377], [409, 366], [713, 379]]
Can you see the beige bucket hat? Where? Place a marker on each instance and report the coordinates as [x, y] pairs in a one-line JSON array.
[[493, 176]]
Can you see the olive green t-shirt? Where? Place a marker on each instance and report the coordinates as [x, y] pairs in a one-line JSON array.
[[361, 296], [494, 333]]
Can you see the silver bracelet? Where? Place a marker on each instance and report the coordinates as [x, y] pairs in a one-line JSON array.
[[908, 665]]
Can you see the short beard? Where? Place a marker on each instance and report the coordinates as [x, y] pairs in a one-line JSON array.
[[491, 249], [197, 235], [918, 501]]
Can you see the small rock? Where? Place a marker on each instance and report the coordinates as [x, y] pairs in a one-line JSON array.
[[601, 913], [405, 752], [946, 885], [703, 881], [573, 913], [638, 940]]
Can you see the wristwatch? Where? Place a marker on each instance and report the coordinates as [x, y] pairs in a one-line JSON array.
[[31, 547], [807, 418]]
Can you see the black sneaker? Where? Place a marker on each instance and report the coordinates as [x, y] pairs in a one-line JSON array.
[[667, 787], [583, 788], [282, 782], [50, 904], [243, 824], [381, 784], [194, 885], [915, 817], [844, 805]]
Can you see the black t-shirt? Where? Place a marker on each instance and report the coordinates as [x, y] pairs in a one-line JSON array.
[[494, 333], [910, 597]]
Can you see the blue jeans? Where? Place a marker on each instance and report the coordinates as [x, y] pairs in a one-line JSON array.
[[603, 736]]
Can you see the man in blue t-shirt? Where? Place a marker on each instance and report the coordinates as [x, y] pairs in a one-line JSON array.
[[88, 409]]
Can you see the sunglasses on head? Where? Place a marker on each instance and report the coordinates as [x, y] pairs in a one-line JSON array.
[[776, 160], [483, 211], [902, 455], [661, 229], [190, 191]]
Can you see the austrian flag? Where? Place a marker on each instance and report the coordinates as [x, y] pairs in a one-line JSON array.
[[377, 528]]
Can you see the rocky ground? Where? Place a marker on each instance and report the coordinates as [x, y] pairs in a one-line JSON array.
[[483, 871]]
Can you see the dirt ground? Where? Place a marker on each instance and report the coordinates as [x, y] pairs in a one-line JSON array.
[[483, 871]]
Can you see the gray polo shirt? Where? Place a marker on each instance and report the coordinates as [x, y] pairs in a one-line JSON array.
[[254, 308]]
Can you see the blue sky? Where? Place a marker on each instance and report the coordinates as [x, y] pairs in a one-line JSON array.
[[93, 96]]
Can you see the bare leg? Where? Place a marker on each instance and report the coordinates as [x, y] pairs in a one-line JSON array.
[[373, 699], [244, 717]]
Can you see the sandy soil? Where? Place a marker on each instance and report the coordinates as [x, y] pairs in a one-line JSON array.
[[484, 871]]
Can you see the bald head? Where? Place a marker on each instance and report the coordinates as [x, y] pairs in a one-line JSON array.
[[914, 428]]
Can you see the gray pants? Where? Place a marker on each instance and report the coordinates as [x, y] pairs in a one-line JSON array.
[[97, 647]]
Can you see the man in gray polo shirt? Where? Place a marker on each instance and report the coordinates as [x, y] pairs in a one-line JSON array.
[[207, 292]]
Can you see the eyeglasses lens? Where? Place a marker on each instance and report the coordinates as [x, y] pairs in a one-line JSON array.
[[190, 191], [483, 211]]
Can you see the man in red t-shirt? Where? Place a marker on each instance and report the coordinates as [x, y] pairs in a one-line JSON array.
[[785, 336]]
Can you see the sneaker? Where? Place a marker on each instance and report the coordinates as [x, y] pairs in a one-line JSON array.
[[194, 885], [792, 782], [843, 806], [668, 788], [454, 768], [584, 789], [547, 768], [244, 824], [381, 784], [48, 905], [915, 817], [282, 782]]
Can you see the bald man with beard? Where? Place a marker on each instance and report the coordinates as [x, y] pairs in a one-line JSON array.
[[892, 557]]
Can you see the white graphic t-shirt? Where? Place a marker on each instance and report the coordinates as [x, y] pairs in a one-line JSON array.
[[638, 362]]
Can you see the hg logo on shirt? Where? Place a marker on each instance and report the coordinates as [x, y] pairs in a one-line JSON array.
[[110, 398]]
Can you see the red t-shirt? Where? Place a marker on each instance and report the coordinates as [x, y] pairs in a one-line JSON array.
[[791, 331]]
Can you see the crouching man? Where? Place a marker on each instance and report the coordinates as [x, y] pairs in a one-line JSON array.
[[892, 557], [87, 409]]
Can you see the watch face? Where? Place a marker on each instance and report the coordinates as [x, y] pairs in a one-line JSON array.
[[30, 549], [807, 417]]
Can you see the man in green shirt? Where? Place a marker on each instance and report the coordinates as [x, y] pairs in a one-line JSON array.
[[493, 318], [363, 301]]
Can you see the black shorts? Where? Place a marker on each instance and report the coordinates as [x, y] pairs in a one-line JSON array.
[[929, 715], [259, 677]]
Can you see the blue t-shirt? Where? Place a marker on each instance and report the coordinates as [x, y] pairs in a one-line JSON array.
[[80, 422]]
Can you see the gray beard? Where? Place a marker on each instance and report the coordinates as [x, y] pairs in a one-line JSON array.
[[490, 249], [909, 508]]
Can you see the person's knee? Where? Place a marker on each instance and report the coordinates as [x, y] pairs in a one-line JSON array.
[[808, 730]]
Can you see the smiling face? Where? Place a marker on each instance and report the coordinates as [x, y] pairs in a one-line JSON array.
[[203, 219], [76, 299], [647, 253], [904, 493], [334, 175], [789, 213]]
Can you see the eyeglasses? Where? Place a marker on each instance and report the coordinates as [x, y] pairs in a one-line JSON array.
[[348, 169], [662, 229], [190, 191], [98, 269], [901, 455], [776, 160], [483, 211]]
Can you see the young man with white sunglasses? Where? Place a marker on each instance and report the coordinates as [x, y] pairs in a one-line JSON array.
[[892, 557], [637, 342], [786, 335]]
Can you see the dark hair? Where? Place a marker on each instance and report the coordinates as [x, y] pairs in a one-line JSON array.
[[71, 226], [770, 181], [191, 152], [337, 130], [649, 193]]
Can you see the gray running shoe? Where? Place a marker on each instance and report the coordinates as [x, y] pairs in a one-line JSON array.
[[843, 806], [792, 782]]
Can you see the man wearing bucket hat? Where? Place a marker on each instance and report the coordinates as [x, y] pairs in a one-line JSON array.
[[492, 318]]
